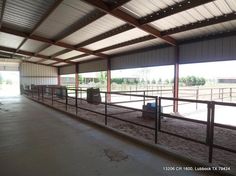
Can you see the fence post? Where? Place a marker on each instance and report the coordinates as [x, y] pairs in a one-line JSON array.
[[222, 95], [38, 93], [208, 123], [42, 94], [197, 96], [144, 95], [156, 120], [159, 118], [66, 98], [52, 91], [130, 92], [76, 101], [211, 135], [105, 108]]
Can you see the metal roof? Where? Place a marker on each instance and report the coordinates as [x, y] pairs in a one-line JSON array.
[[101, 25], [56, 31], [24, 15]]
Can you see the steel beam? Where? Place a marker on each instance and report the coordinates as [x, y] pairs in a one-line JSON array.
[[27, 53], [130, 19], [45, 40], [176, 79], [199, 24]]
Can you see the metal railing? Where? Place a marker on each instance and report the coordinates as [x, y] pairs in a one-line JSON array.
[[62, 96]]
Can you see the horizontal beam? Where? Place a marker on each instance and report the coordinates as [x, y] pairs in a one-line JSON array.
[[127, 43], [105, 35], [199, 24], [129, 19], [27, 53], [171, 10], [45, 40]]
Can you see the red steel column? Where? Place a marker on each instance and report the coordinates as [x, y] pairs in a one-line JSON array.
[[176, 79], [76, 76], [108, 79], [58, 77]]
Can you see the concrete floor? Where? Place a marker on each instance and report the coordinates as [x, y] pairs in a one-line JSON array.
[[36, 140]]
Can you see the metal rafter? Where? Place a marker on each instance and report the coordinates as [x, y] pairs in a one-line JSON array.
[[131, 20], [95, 15], [2, 12], [48, 41], [171, 10], [199, 24], [204, 23], [27, 53], [45, 16]]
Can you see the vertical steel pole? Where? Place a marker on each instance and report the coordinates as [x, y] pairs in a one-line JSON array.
[[159, 117], [156, 113], [52, 91], [211, 132], [176, 79], [109, 79], [106, 108], [76, 101], [66, 98]]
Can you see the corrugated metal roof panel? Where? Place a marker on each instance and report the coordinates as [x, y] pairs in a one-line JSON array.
[[85, 58], [140, 8], [32, 45], [51, 50], [48, 62], [101, 25], [122, 37], [60, 64], [205, 31], [65, 15], [232, 4], [9, 40], [70, 54], [150, 43], [24, 15], [35, 59], [206, 11]]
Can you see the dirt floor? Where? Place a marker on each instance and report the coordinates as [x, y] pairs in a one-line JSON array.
[[192, 150]]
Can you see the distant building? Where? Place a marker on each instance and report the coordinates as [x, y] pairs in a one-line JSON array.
[[226, 80]]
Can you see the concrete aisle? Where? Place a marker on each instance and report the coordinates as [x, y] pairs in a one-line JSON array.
[[38, 141]]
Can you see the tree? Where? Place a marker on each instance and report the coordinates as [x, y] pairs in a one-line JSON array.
[[159, 81], [153, 81], [167, 81], [102, 77], [142, 81]]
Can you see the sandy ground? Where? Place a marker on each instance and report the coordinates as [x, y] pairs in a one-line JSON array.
[[192, 150]]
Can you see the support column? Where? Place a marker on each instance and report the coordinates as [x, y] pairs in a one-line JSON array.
[[58, 76], [108, 79], [176, 79], [77, 76]]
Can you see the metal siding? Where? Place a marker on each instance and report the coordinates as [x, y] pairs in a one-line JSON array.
[[208, 51], [9, 66], [93, 66], [67, 70], [37, 74], [155, 57]]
